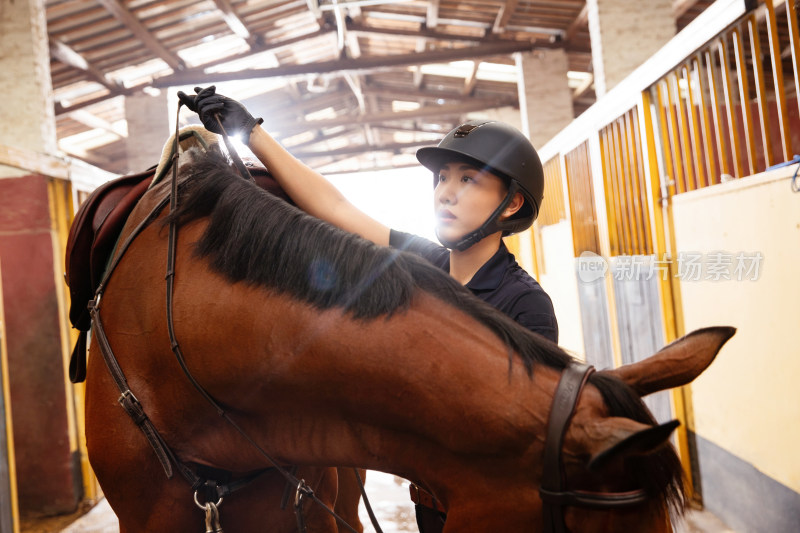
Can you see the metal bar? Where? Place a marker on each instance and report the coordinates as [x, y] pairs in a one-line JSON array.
[[625, 198], [664, 116], [620, 185], [713, 91], [794, 44], [611, 209], [636, 180], [777, 75], [682, 109], [631, 183], [733, 131], [576, 209], [761, 92], [678, 131], [572, 203], [629, 178], [582, 190], [647, 202], [708, 148], [744, 98], [694, 129], [594, 238]]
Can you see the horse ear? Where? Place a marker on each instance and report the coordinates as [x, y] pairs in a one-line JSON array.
[[623, 436], [677, 364]]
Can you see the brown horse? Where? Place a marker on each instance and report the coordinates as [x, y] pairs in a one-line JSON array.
[[328, 350]]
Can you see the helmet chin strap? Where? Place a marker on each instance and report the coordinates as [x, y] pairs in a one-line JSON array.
[[492, 225]]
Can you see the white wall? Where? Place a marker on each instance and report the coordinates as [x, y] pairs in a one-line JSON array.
[[748, 401]]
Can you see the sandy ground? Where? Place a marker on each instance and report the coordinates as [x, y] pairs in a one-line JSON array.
[[388, 495]]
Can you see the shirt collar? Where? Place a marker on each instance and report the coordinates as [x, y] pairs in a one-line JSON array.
[[489, 276]]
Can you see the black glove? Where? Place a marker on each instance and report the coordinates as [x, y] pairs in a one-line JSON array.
[[208, 105]]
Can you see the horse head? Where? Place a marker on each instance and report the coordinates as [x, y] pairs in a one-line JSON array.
[[609, 455]]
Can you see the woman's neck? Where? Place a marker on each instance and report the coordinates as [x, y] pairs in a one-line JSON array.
[[464, 264]]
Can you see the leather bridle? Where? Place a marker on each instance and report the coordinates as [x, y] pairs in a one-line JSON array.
[[552, 490]]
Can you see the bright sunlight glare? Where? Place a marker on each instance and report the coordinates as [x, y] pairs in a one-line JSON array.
[[400, 198]]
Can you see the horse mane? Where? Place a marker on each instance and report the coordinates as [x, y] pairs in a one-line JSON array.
[[257, 238]]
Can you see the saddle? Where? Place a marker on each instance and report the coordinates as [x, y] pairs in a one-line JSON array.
[[91, 242], [98, 224]]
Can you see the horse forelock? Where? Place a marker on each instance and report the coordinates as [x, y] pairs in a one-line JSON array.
[[257, 238]]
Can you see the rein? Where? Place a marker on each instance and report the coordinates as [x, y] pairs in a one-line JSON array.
[[132, 406], [552, 489]]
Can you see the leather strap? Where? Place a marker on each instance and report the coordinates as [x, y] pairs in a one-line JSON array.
[[422, 497], [127, 400], [573, 378], [596, 500]]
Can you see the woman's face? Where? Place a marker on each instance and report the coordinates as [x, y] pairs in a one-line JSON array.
[[464, 198]]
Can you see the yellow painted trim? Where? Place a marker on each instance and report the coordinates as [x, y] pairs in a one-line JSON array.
[[12, 467], [60, 213], [660, 214], [537, 261], [512, 243]]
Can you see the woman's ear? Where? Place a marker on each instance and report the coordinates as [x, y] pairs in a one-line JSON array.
[[514, 205]]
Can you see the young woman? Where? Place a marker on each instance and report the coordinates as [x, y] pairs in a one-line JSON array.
[[488, 182]]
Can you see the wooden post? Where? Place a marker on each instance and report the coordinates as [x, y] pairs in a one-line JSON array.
[[9, 516]]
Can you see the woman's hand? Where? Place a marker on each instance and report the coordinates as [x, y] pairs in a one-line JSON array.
[[209, 106]]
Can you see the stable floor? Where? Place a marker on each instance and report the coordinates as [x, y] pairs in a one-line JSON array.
[[389, 497]]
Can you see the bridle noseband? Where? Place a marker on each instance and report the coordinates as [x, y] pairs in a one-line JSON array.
[[552, 490]]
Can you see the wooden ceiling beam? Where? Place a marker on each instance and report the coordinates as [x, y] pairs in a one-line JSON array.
[[71, 58], [95, 122], [377, 118], [233, 21], [419, 76], [422, 94], [432, 15], [488, 49], [471, 80], [416, 34], [364, 149], [580, 22], [504, 15], [129, 20]]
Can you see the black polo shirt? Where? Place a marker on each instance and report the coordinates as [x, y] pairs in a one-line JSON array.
[[500, 282]]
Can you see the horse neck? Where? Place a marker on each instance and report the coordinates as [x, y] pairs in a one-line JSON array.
[[400, 393]]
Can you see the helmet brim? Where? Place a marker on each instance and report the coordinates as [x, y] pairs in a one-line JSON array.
[[434, 158]]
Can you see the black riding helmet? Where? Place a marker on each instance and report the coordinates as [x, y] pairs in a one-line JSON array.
[[503, 151]]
